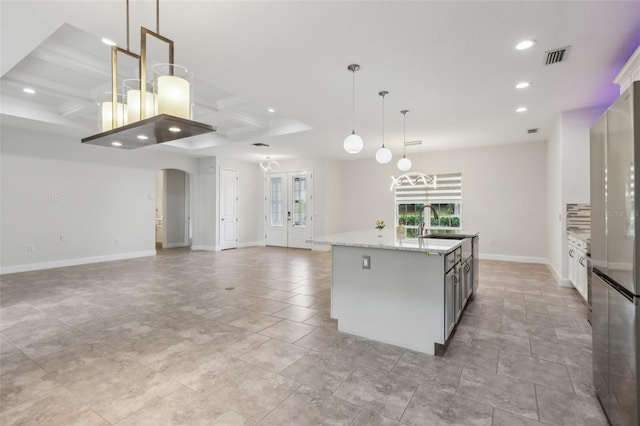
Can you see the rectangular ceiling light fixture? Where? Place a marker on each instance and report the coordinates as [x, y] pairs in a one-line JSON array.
[[141, 117]]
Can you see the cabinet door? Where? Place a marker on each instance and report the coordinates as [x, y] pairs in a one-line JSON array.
[[582, 276], [467, 277], [572, 266], [449, 303], [457, 290]]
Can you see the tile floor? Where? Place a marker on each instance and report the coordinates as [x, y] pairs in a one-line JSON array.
[[244, 337]]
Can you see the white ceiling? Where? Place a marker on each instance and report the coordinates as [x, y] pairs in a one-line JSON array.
[[453, 65]]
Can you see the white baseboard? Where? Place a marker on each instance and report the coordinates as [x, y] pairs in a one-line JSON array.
[[253, 244], [175, 245], [562, 282], [74, 262], [320, 247], [204, 248], [507, 258]]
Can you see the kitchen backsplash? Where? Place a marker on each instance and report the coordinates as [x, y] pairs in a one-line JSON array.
[[579, 217]]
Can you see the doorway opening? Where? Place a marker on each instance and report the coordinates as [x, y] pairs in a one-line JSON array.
[[173, 219]]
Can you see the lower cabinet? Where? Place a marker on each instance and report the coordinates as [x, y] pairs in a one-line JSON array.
[[578, 266], [453, 299], [467, 279]]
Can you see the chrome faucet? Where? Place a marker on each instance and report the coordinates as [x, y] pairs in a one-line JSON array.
[[421, 225]]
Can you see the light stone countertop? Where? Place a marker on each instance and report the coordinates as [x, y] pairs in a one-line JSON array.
[[369, 239]]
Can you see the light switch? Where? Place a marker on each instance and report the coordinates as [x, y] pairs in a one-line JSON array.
[[366, 262]]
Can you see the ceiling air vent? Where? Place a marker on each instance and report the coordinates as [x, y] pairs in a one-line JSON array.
[[261, 144], [532, 131], [412, 143], [557, 55]]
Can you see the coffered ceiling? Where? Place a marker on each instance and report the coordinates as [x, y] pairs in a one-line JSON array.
[[453, 65]]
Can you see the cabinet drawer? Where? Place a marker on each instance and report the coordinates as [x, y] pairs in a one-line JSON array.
[[452, 258]]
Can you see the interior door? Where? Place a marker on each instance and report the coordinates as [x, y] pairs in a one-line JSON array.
[[288, 209], [228, 209]]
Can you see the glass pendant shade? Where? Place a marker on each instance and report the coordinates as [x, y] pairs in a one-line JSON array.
[[383, 155], [173, 88], [404, 164], [106, 112], [353, 143], [132, 89]]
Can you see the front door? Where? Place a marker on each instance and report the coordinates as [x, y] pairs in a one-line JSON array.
[[288, 209], [228, 208]]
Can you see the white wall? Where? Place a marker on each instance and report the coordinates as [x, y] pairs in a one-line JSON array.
[[568, 179], [204, 218], [100, 199], [555, 214], [504, 195]]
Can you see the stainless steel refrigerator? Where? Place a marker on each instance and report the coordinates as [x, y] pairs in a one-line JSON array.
[[615, 251]]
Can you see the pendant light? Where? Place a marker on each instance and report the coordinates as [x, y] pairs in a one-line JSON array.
[[404, 164], [383, 155], [353, 143], [148, 113]]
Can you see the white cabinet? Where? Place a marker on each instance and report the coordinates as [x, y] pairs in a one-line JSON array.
[[578, 265]]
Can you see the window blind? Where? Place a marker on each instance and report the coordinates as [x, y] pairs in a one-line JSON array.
[[447, 189]]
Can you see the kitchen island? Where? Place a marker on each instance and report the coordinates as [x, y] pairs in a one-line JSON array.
[[408, 292]]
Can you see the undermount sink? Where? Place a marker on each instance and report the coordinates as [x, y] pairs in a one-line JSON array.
[[444, 236]]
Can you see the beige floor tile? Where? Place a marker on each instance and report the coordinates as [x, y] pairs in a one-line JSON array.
[[274, 355], [567, 408], [430, 371], [429, 407], [379, 391], [287, 331], [524, 367], [182, 407], [502, 392], [320, 371], [311, 407]]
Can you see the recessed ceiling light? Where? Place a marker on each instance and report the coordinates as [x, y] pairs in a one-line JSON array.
[[521, 109], [108, 42], [272, 110], [29, 90], [174, 129], [525, 44], [523, 85], [143, 137], [116, 143]]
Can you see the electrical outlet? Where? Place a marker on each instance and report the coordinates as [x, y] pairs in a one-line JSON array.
[[62, 237], [366, 262], [116, 242], [31, 248]]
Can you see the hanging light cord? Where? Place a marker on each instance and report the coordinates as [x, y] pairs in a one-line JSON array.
[[383, 120], [354, 101], [404, 133]]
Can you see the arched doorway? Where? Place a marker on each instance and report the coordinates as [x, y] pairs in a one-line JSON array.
[[173, 218]]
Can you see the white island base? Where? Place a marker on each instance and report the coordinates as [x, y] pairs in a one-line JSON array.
[[400, 300]]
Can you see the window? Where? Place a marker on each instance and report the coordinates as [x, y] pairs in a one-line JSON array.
[[445, 196], [277, 202], [300, 201]]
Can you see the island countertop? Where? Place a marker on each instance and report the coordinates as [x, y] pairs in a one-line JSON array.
[[369, 239]]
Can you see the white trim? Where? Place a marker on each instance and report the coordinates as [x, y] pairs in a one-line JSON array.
[[203, 247], [562, 282], [320, 247], [507, 258], [626, 74], [175, 245], [74, 262], [253, 244]]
